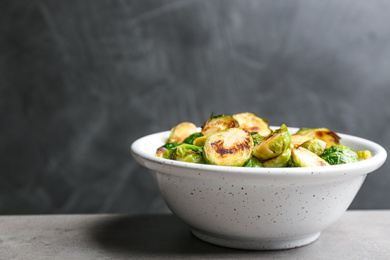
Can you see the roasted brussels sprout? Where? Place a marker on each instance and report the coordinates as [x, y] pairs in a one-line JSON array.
[[323, 134], [256, 137], [339, 154], [230, 147], [200, 140], [301, 157], [314, 145], [218, 123], [181, 132], [252, 123], [279, 161], [185, 153], [190, 139], [273, 145], [254, 163], [363, 155], [297, 140]]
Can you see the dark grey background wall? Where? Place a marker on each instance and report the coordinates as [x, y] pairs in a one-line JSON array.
[[81, 80]]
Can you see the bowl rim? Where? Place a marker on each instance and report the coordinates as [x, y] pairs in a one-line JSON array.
[[162, 165]]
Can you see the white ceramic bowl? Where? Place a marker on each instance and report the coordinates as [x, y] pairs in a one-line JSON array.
[[257, 208]]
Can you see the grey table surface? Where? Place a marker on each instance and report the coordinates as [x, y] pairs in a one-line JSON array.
[[356, 235]]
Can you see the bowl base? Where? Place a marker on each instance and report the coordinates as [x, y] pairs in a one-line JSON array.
[[256, 244]]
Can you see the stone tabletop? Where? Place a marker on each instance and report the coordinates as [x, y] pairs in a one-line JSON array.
[[357, 235]]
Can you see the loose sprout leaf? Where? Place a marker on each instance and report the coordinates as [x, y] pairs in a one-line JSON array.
[[190, 139], [171, 145]]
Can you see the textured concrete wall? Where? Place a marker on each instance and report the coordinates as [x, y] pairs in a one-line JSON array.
[[81, 80]]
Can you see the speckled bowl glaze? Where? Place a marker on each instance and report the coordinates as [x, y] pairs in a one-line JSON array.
[[257, 208]]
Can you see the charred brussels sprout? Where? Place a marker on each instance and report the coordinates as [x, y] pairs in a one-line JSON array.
[[314, 145], [364, 155], [190, 139], [301, 157], [218, 123], [185, 153], [256, 137], [254, 163], [279, 161], [297, 140], [252, 123], [323, 134], [230, 147], [273, 145], [181, 132], [339, 154]]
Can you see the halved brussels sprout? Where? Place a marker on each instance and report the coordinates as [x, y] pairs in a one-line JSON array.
[[273, 145], [200, 140], [254, 163], [279, 161], [161, 150], [363, 155], [302, 157], [218, 123], [230, 147], [339, 154], [324, 134], [314, 145], [297, 140], [252, 123], [190, 139], [256, 137], [181, 132], [185, 153]]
